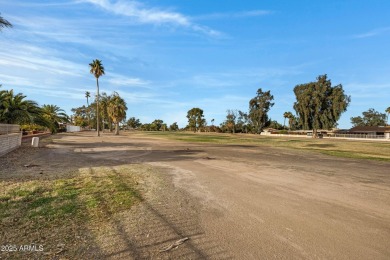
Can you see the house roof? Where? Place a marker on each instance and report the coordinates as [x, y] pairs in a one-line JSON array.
[[381, 129]]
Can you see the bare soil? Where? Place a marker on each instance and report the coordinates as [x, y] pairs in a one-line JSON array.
[[231, 201]]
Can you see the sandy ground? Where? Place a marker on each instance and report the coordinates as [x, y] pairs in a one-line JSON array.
[[231, 201]]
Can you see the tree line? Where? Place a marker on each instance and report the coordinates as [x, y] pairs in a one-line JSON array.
[[318, 105]]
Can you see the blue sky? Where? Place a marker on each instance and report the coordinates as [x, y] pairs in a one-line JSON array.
[[168, 56]]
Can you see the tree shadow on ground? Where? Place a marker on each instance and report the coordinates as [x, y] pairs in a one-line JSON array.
[[321, 145]]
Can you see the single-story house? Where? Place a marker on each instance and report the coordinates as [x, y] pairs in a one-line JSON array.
[[371, 130]]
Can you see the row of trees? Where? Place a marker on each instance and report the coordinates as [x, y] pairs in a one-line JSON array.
[[16, 109], [371, 117], [110, 112], [318, 105], [105, 110]]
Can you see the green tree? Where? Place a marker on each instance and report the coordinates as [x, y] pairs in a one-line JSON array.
[[243, 121], [80, 116], [87, 95], [231, 121], [55, 116], [117, 110], [4, 23], [259, 107], [371, 117], [157, 125], [319, 105], [133, 122], [285, 115], [15, 109], [290, 118], [97, 69], [104, 103], [195, 119], [275, 125], [174, 127], [388, 114]]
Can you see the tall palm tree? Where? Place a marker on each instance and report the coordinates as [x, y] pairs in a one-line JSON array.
[[55, 116], [388, 114], [285, 115], [87, 95], [117, 110], [290, 118], [97, 69], [4, 23]]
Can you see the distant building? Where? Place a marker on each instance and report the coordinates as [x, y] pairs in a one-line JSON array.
[[371, 131]]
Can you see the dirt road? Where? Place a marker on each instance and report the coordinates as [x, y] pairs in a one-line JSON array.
[[239, 201]]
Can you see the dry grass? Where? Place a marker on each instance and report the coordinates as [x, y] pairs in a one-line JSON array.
[[60, 212], [372, 150]]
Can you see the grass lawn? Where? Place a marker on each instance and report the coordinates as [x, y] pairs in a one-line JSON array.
[[58, 212], [372, 150]]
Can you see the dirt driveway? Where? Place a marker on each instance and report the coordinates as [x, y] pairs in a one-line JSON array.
[[231, 201]]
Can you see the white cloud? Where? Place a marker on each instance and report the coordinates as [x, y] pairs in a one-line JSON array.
[[119, 80], [147, 15], [372, 33], [232, 15]]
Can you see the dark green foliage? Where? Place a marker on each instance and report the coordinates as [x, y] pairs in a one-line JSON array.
[[243, 122], [15, 109], [319, 105], [195, 119], [156, 125], [259, 107], [97, 69], [275, 125], [133, 122], [55, 116], [174, 127], [388, 114], [230, 124], [369, 118]]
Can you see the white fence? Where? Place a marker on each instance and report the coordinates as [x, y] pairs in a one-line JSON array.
[[73, 128], [361, 136], [10, 138]]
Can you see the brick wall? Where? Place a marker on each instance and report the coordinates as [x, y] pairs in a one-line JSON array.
[[10, 138], [8, 129]]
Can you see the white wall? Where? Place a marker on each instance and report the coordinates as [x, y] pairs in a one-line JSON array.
[[73, 128]]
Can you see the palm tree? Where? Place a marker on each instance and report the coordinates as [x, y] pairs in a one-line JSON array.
[[55, 116], [290, 117], [285, 115], [104, 102], [87, 95], [97, 69], [117, 110], [4, 23], [388, 114], [15, 109]]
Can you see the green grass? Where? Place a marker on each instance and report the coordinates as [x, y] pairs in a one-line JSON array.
[[93, 194], [373, 150]]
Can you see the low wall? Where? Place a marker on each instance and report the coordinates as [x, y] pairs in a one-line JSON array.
[[9, 142], [73, 128], [28, 138]]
